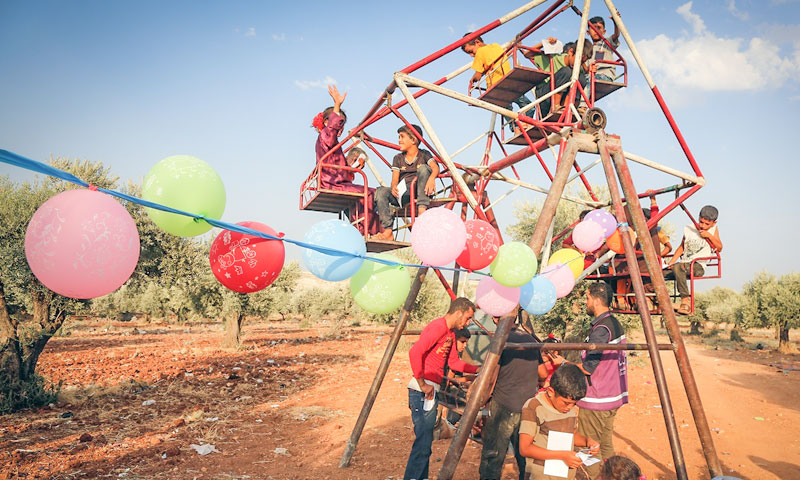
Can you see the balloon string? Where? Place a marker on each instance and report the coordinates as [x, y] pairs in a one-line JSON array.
[[39, 167]]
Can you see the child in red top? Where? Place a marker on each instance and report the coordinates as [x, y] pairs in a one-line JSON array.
[[551, 360], [330, 124]]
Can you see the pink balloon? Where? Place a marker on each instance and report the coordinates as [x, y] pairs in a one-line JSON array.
[[561, 276], [481, 246], [438, 236], [495, 299], [588, 236], [82, 244], [604, 219]]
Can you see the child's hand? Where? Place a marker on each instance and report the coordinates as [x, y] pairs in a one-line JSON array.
[[338, 99], [430, 187], [705, 234], [594, 447], [571, 459], [552, 40]]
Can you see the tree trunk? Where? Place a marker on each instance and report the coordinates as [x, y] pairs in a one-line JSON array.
[[9, 346], [20, 347], [735, 335], [694, 328], [783, 338], [233, 329]]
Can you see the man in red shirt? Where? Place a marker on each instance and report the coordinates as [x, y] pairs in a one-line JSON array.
[[436, 345]]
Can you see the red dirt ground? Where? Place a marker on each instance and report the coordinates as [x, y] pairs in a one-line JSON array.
[[301, 389]]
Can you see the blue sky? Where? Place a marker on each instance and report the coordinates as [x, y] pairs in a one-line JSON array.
[[237, 83]]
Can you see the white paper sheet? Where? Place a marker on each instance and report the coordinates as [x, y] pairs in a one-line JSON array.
[[587, 459], [551, 48], [557, 441], [401, 190]]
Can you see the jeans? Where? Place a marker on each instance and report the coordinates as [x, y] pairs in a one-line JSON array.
[[501, 427], [521, 102], [417, 466], [604, 78], [680, 273], [384, 198]]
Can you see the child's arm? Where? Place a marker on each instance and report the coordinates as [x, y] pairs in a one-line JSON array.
[[395, 181], [528, 449], [338, 99], [615, 35], [542, 371], [667, 248], [713, 238], [457, 365], [430, 186], [476, 77], [676, 255]]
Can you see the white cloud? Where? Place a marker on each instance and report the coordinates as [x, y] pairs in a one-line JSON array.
[[451, 29], [307, 84], [704, 61], [693, 19], [251, 32], [280, 37], [736, 12]]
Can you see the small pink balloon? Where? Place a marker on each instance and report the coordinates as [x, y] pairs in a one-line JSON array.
[[495, 299], [588, 236], [562, 278], [438, 236], [82, 244]]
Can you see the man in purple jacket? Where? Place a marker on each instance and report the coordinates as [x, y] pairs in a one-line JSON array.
[[606, 374]]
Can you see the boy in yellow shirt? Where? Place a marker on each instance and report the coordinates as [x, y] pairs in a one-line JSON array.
[[483, 57]]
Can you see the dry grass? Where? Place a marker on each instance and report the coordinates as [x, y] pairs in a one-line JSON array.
[[94, 394]]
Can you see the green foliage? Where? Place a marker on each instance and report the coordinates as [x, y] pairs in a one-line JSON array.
[[527, 213], [32, 393], [774, 302], [723, 305]]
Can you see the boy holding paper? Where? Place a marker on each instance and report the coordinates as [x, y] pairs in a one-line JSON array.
[[412, 162], [549, 427]]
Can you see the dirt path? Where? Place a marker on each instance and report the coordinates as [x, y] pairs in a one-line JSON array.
[[285, 406]]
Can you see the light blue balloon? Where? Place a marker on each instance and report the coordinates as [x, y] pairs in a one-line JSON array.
[[337, 235], [538, 296]]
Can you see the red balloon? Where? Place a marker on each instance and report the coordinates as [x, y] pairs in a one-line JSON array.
[[481, 247], [246, 263]]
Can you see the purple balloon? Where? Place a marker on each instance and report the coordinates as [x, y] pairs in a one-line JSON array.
[[604, 219]]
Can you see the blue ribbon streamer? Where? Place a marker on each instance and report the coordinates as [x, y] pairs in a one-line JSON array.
[[39, 167]]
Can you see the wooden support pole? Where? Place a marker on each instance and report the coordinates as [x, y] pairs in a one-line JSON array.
[[477, 398], [641, 303], [350, 448], [548, 213], [662, 295]]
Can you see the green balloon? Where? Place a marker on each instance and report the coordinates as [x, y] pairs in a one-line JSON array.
[[185, 183], [379, 288], [514, 265]]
